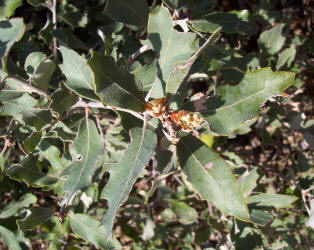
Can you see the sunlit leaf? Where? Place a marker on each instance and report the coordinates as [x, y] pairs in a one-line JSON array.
[[15, 206], [271, 41], [114, 85], [8, 7], [274, 200], [124, 173], [79, 76], [86, 151], [248, 181], [181, 70], [211, 177], [233, 105], [89, 229], [172, 47], [286, 57]]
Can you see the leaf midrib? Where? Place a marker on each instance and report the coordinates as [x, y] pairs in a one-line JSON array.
[[237, 102], [133, 166], [217, 183], [117, 85], [85, 225]]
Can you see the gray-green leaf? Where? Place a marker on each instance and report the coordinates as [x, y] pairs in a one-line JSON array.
[[286, 57], [211, 177], [88, 228], [11, 31], [8, 7], [115, 85], [79, 76], [86, 151], [124, 173], [37, 217], [234, 105], [15, 206], [172, 47], [272, 40], [39, 68], [275, 200], [9, 238], [28, 171]]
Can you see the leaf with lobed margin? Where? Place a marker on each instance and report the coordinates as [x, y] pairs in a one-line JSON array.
[[124, 173], [274, 200], [79, 75], [234, 105], [115, 85], [181, 70], [172, 47], [88, 228], [86, 151]]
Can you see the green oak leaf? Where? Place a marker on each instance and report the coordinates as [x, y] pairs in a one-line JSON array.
[[38, 215], [146, 74], [181, 70], [9, 238], [125, 11], [37, 118], [88, 228], [32, 141], [29, 171], [11, 31], [86, 151], [211, 177], [62, 99], [115, 85], [124, 173], [14, 206], [39, 68], [286, 57], [248, 181], [79, 76], [185, 214], [274, 200], [36, 3], [234, 105], [172, 47], [8, 7], [260, 217], [231, 22], [272, 40]]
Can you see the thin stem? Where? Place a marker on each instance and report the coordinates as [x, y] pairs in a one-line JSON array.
[[53, 10], [26, 86], [83, 104], [139, 52], [99, 128]]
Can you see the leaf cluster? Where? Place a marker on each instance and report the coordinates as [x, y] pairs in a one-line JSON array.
[[84, 165]]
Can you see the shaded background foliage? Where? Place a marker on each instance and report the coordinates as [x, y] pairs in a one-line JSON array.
[[273, 153]]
